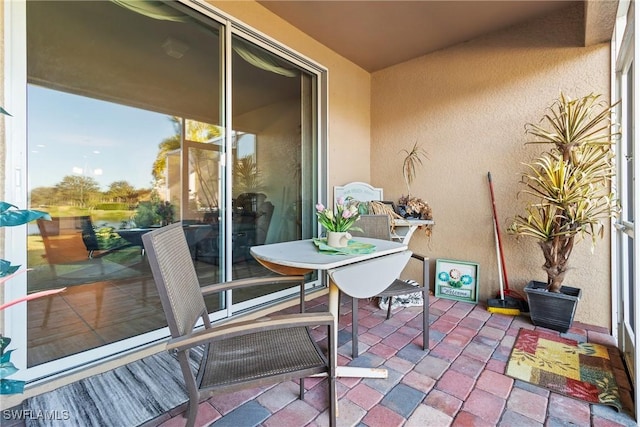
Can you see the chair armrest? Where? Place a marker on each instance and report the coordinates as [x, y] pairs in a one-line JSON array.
[[425, 268], [250, 326], [244, 283], [420, 257]]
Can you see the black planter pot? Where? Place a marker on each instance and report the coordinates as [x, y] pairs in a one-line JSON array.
[[551, 309]]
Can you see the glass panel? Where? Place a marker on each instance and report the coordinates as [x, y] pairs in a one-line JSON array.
[[629, 202], [124, 142], [110, 91], [272, 149], [627, 191], [202, 219]]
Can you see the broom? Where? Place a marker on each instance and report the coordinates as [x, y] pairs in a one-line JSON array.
[[505, 304], [502, 305]]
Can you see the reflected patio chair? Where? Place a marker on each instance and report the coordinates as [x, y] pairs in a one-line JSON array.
[[236, 355], [65, 243], [95, 247], [377, 227], [71, 242]]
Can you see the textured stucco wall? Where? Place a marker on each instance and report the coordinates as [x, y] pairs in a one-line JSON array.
[[349, 92], [467, 106]]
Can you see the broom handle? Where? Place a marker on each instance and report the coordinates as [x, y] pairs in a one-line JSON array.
[[500, 273], [497, 228]]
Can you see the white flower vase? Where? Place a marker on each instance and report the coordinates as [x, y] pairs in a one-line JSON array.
[[338, 239]]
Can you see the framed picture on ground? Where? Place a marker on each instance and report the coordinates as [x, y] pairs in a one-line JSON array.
[[457, 280]]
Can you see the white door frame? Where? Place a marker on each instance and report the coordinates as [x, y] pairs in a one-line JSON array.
[[625, 268]]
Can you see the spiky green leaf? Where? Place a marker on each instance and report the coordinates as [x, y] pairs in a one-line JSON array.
[[11, 386], [6, 268], [4, 343], [6, 369], [6, 357], [10, 216]]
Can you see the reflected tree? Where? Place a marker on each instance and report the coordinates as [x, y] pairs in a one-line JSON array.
[[121, 191], [82, 191], [160, 164], [204, 162], [43, 196], [247, 178]]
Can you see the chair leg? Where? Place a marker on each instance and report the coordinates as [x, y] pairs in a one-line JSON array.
[[389, 308], [425, 319], [192, 411], [333, 396], [47, 312], [333, 406], [302, 310], [354, 328], [425, 304]]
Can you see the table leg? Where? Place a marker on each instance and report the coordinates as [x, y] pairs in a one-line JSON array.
[[347, 371], [334, 292]]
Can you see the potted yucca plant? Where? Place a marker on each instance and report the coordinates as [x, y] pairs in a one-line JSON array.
[[569, 191]]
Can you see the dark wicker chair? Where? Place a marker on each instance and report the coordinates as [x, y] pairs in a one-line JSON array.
[[237, 355], [377, 227]]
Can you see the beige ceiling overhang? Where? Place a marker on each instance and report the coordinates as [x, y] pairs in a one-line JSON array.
[[379, 34], [76, 45]]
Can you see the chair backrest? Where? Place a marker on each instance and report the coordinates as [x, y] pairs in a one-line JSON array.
[[89, 237], [368, 278], [62, 238], [374, 226], [175, 277]]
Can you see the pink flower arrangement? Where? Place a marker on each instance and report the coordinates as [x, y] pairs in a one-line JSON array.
[[342, 219]]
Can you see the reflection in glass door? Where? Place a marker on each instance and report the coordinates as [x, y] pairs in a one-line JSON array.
[[202, 180], [123, 143], [273, 147], [107, 137]]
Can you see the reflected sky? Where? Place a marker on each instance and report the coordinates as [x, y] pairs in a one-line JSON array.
[[70, 134]]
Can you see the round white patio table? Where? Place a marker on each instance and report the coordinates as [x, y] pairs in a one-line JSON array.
[[359, 275]]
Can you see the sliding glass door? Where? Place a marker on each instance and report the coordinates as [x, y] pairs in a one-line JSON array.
[[270, 148], [128, 130]]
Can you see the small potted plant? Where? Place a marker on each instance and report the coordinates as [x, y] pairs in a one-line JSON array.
[[569, 198], [410, 206]]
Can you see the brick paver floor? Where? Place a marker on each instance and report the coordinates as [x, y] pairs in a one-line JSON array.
[[459, 382]]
